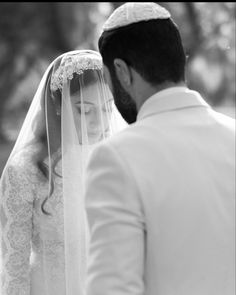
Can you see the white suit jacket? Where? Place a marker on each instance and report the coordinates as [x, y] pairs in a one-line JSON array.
[[160, 202]]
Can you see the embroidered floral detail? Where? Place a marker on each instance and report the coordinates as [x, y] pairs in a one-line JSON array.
[[74, 64], [18, 287], [16, 265], [25, 231]]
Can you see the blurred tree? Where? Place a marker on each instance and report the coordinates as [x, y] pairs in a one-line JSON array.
[[208, 32], [32, 32], [25, 29]]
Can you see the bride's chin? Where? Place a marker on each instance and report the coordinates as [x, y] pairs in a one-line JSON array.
[[94, 140]]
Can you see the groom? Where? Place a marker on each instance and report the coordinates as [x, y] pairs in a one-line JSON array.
[[160, 194]]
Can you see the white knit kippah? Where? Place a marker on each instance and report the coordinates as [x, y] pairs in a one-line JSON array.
[[133, 12]]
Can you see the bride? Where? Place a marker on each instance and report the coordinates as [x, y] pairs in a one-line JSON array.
[[43, 223]]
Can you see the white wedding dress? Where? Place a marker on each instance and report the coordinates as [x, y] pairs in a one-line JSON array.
[[72, 110], [31, 240]]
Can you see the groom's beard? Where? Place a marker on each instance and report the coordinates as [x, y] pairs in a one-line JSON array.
[[123, 101]]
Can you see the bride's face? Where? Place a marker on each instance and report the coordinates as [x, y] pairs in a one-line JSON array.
[[93, 111]]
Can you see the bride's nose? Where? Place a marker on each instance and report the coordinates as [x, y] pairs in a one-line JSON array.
[[95, 120]]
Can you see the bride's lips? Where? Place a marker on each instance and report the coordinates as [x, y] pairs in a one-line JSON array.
[[97, 133], [93, 134]]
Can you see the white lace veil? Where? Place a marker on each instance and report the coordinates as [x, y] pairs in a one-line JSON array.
[[72, 110]]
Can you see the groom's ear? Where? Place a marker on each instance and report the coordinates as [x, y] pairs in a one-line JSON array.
[[123, 72]]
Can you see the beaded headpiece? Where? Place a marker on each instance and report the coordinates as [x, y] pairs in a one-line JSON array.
[[71, 64]]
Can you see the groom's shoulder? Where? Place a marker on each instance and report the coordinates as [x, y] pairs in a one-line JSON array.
[[114, 150], [125, 141], [127, 136]]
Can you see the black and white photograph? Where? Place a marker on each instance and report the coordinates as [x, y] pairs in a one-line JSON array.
[[117, 148]]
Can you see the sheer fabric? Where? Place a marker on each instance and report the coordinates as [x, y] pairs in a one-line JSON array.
[[43, 223]]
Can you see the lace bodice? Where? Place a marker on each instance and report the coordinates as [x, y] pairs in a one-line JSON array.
[[32, 242]]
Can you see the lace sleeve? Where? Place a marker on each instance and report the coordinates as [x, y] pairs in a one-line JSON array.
[[16, 204]]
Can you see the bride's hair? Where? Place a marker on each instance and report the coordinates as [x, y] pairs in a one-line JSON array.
[[53, 100], [153, 48]]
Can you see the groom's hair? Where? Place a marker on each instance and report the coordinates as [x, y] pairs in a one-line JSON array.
[[153, 48]]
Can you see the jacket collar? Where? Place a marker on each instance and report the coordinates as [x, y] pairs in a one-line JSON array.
[[169, 100]]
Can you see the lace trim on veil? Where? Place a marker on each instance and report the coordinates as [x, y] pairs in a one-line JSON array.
[[73, 64]]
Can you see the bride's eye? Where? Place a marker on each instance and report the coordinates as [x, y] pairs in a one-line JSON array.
[[86, 109]]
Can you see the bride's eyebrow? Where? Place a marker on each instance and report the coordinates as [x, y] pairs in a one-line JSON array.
[[88, 102], [84, 102]]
